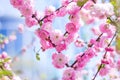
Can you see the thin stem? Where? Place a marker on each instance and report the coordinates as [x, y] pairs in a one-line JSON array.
[[48, 15], [104, 56], [88, 46]]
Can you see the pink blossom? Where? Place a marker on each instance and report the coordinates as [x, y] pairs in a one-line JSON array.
[[102, 42], [92, 41], [56, 37], [81, 61], [104, 27], [30, 21], [79, 43], [118, 64], [17, 3], [21, 28], [50, 10], [101, 10], [90, 53], [105, 61], [65, 2], [69, 38], [47, 26], [76, 19], [45, 45], [24, 49], [104, 70], [69, 74], [39, 15], [6, 41], [109, 33], [26, 10], [109, 49], [59, 60], [71, 28], [12, 37], [95, 31], [42, 34], [86, 17], [88, 4], [72, 8], [61, 12], [49, 18], [60, 47], [4, 55]]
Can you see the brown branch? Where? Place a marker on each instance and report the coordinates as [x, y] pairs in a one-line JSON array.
[[104, 56], [88, 46], [48, 15]]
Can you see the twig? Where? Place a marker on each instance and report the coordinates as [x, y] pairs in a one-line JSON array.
[[88, 46], [104, 56]]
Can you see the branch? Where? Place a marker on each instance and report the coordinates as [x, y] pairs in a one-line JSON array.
[[90, 45], [104, 56]]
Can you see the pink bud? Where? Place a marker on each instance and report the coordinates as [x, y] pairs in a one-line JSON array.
[[4, 55]]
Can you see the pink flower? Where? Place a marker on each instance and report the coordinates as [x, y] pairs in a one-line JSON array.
[[61, 12], [69, 74], [72, 8], [71, 28], [79, 43], [95, 31], [26, 10], [3, 55], [12, 37], [17, 3], [6, 41], [109, 49], [65, 2], [49, 18], [86, 17], [118, 64], [88, 4], [59, 60], [105, 61], [21, 28], [45, 45], [90, 53], [60, 47], [42, 34], [69, 38], [76, 19], [50, 10], [30, 21], [56, 37], [47, 26], [104, 71], [109, 33], [104, 27], [101, 43], [101, 10], [81, 61]]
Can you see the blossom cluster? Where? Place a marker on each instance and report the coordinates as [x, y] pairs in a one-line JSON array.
[[5, 40], [5, 69], [87, 12]]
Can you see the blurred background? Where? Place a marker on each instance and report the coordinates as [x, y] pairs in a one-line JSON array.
[[22, 48]]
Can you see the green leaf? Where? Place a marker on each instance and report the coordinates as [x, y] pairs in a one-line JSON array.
[[81, 3], [40, 23], [7, 59], [118, 42], [5, 73], [38, 56], [116, 5], [108, 21], [1, 63]]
